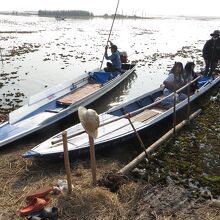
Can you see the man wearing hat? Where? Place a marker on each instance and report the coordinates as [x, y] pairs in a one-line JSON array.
[[211, 52], [115, 64]]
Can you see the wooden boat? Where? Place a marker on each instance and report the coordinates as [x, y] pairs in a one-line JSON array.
[[56, 103], [145, 111]]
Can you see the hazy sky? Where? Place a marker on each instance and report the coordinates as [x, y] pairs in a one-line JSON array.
[[138, 7]]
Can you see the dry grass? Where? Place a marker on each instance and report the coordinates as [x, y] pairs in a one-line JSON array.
[[21, 176], [92, 203]]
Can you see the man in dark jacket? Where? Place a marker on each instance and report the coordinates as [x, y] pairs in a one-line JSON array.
[[211, 52]]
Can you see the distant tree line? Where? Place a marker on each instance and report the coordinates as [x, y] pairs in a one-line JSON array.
[[72, 13]]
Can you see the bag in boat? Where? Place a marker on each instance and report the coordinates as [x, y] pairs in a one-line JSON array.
[[203, 80], [101, 77]]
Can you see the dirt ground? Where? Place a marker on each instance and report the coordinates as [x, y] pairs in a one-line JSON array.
[[136, 196]]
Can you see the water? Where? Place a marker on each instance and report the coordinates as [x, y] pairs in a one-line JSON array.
[[51, 52]]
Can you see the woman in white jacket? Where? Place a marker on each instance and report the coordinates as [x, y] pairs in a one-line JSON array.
[[173, 82]]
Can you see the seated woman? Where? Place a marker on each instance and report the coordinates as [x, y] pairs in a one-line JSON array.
[[189, 75], [172, 83]]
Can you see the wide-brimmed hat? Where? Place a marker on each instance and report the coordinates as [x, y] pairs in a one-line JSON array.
[[215, 33], [89, 120]]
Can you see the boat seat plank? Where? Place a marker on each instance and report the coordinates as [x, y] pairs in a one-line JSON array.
[[56, 110], [160, 106], [78, 94], [145, 115]]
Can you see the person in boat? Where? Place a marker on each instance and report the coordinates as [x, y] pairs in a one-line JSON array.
[[189, 75], [173, 82], [115, 64], [211, 52]]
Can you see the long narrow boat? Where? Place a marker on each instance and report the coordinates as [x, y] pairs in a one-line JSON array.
[[56, 103], [145, 111]]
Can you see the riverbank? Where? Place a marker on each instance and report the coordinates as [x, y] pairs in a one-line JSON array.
[[180, 181]]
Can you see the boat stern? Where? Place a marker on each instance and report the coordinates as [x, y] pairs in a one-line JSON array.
[[31, 153]]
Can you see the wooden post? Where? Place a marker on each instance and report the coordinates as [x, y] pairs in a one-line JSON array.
[[188, 104], [66, 161], [174, 110], [93, 160], [1, 56]]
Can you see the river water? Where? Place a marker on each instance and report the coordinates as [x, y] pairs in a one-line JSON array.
[[38, 53]]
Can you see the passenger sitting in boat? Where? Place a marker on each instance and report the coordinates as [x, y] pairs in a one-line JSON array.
[[173, 82], [189, 75], [115, 64]]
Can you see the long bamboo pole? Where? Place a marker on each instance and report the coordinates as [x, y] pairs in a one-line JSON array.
[[110, 31], [156, 144], [66, 161]]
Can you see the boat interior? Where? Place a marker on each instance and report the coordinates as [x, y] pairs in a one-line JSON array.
[[140, 103], [78, 94], [98, 79]]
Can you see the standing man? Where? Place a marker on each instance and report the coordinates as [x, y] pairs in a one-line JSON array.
[[211, 52], [115, 64]]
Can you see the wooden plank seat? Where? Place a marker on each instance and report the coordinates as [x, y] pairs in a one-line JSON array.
[[56, 110], [78, 94], [145, 115], [161, 107]]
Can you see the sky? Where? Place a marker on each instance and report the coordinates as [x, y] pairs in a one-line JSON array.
[[128, 7]]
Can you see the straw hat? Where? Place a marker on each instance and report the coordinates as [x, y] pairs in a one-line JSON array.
[[89, 120]]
